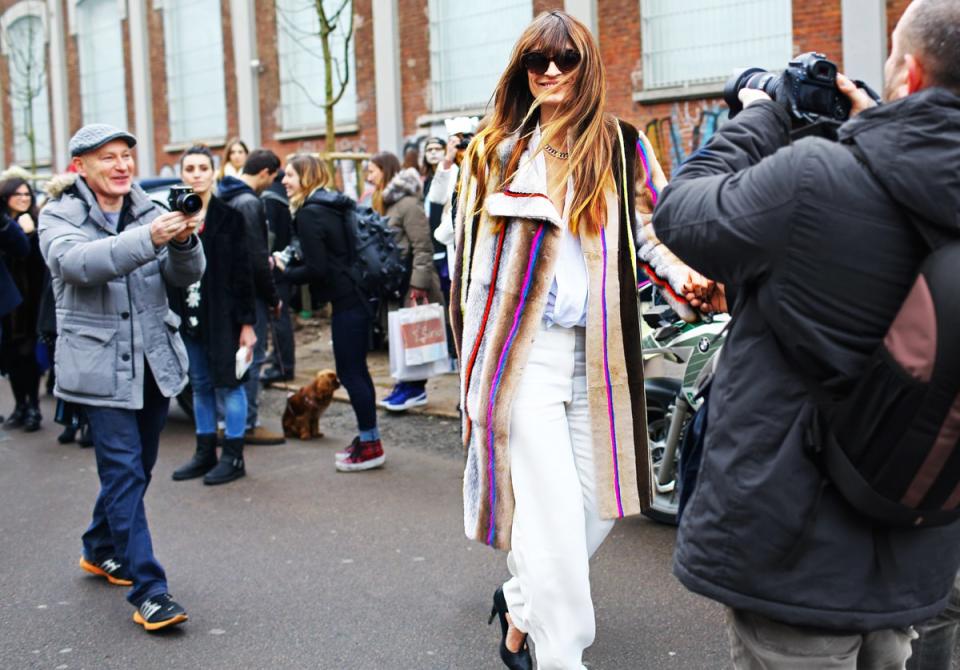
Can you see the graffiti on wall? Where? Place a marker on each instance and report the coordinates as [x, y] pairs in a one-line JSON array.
[[688, 127]]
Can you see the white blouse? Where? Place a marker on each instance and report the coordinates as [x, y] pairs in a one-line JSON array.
[[567, 301]]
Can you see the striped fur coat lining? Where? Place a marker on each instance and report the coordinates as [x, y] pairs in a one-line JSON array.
[[503, 275]]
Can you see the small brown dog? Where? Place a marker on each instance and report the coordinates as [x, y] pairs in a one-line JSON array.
[[301, 418]]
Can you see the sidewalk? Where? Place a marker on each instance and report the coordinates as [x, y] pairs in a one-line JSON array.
[[315, 352]]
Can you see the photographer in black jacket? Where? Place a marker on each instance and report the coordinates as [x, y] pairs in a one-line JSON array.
[[817, 251]]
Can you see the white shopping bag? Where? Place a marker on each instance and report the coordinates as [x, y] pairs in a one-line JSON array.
[[415, 353], [423, 333], [243, 361]]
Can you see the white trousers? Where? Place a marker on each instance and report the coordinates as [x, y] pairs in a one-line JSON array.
[[556, 527]]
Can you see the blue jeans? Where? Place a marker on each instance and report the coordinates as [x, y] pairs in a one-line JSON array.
[[252, 385], [126, 443], [205, 396]]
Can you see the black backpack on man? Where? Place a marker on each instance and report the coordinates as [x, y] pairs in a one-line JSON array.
[[890, 444]]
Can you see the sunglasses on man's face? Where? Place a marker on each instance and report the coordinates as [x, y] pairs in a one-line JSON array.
[[539, 62]]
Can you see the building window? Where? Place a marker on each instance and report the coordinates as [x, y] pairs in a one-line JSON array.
[[696, 42], [100, 46], [302, 96], [470, 45], [29, 100], [193, 42]]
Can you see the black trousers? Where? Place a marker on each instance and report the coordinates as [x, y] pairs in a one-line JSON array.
[[283, 347], [20, 362], [351, 332]]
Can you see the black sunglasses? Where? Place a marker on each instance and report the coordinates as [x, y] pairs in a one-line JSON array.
[[539, 62]]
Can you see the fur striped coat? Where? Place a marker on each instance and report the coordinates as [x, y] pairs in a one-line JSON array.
[[502, 278]]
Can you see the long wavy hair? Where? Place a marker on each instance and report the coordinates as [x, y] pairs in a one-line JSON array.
[[232, 142], [591, 131], [313, 174], [389, 165]]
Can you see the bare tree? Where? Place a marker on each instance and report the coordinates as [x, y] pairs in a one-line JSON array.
[[333, 16], [28, 75]]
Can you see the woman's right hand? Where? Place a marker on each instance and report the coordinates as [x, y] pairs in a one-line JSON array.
[[278, 261], [26, 223], [417, 296]]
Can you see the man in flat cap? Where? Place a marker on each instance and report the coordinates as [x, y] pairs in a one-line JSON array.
[[119, 352]]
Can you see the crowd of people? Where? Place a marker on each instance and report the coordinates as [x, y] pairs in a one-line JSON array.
[[273, 210], [529, 234], [204, 288]]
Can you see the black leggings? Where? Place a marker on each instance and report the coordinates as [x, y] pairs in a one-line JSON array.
[[20, 359], [351, 332]]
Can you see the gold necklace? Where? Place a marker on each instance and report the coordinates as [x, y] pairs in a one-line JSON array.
[[556, 153]]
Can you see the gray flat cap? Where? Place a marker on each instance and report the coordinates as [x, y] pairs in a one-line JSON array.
[[95, 135]]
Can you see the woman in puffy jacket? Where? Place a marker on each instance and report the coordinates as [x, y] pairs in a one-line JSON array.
[[397, 195], [321, 256]]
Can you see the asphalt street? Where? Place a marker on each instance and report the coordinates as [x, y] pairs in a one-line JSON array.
[[298, 566]]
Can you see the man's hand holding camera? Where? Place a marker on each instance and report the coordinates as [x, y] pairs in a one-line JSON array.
[[175, 226], [858, 97]]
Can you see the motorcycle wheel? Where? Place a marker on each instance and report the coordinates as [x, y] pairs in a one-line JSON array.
[[659, 396]]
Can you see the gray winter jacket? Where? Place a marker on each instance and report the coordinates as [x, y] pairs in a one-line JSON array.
[[822, 250], [111, 299]]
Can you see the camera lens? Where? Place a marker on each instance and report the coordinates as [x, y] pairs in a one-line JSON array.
[[752, 77], [189, 203]]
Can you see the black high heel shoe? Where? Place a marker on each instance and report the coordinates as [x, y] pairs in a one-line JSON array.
[[515, 660]]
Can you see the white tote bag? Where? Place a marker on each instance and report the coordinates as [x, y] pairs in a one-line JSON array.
[[418, 342]]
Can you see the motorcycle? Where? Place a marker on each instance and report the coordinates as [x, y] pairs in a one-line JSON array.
[[679, 358]]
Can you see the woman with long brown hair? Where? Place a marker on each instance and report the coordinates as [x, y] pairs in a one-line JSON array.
[[326, 251], [234, 156], [398, 195], [544, 311]]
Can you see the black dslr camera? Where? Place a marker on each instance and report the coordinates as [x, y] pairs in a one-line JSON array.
[[464, 141], [807, 88], [183, 199]]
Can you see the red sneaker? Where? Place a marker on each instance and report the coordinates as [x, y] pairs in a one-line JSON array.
[[348, 452], [365, 456]]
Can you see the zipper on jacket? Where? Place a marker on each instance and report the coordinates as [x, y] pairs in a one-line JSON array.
[[133, 361]]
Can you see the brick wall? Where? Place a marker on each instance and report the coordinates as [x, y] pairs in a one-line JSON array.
[[895, 9], [75, 112], [414, 30], [618, 32], [547, 5], [675, 126], [158, 84]]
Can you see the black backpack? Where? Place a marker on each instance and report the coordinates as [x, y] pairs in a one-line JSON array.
[[377, 266], [890, 444]]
